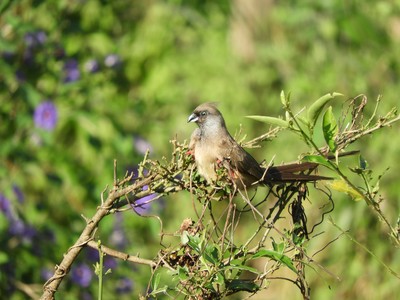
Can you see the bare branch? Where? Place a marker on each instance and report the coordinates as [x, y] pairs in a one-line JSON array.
[[121, 255]]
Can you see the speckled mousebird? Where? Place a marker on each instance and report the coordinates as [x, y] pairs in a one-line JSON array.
[[213, 146]]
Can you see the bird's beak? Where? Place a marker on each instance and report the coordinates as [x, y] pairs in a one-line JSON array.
[[193, 118]]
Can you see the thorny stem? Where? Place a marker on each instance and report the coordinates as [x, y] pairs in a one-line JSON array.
[[121, 255], [365, 249], [366, 196]]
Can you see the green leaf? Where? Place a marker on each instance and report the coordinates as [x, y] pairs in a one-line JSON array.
[[3, 258], [270, 120], [155, 281], [194, 243], [298, 240], [315, 109], [278, 247], [282, 258], [182, 273], [318, 159], [302, 120], [211, 254], [73, 43], [285, 99], [4, 5], [109, 271], [219, 278], [161, 290], [184, 238], [330, 128], [31, 94], [242, 285], [361, 171], [101, 43], [341, 186], [243, 268], [362, 162]]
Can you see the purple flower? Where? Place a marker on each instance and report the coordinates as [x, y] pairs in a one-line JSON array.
[[5, 207], [135, 170], [18, 193], [118, 238], [82, 275], [17, 227], [92, 254], [35, 39], [45, 115], [143, 205], [110, 263], [124, 285], [30, 40], [70, 64], [141, 145], [46, 273], [41, 37], [71, 71], [92, 66], [25, 231], [112, 60]]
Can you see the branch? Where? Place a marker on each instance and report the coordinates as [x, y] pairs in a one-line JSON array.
[[61, 270], [121, 255]]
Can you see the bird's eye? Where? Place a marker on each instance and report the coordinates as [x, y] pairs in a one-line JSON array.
[[203, 113]]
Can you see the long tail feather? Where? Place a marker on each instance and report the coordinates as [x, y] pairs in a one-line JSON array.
[[293, 172], [296, 171]]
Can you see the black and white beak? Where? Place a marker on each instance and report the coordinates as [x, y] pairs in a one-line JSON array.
[[193, 118]]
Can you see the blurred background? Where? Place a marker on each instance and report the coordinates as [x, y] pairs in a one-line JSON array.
[[84, 82]]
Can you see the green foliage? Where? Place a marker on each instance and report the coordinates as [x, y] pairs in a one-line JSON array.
[[271, 120], [330, 129], [277, 256]]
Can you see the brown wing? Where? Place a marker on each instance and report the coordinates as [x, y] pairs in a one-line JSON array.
[[242, 162], [248, 165], [250, 171]]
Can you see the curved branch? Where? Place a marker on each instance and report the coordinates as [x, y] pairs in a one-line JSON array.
[[61, 270], [121, 255]]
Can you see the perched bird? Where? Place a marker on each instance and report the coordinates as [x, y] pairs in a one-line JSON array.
[[213, 147]]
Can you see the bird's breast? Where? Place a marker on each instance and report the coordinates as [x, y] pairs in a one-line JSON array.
[[206, 155]]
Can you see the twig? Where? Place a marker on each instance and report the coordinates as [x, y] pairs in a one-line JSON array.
[[121, 255], [51, 286], [29, 289], [365, 249]]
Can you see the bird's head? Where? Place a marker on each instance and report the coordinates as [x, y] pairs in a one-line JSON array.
[[207, 115]]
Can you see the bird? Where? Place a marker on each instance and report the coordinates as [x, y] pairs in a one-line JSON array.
[[213, 147]]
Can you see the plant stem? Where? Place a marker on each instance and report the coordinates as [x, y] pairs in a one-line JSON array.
[[100, 272]]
